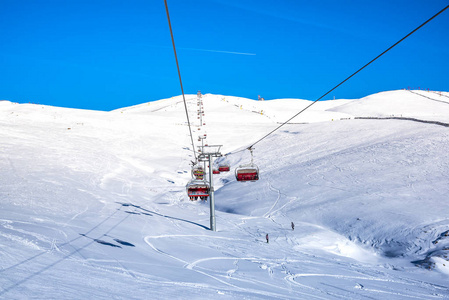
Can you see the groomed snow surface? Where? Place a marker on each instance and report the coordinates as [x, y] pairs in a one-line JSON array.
[[93, 204]]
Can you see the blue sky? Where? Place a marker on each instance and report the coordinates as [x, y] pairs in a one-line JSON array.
[[105, 55]]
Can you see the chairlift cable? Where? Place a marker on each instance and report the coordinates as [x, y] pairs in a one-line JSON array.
[[180, 80], [391, 47]]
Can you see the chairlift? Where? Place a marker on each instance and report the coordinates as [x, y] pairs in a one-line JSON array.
[[198, 189], [215, 171], [248, 172], [224, 167], [198, 172]]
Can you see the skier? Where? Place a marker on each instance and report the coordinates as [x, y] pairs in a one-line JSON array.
[[293, 226], [267, 238]]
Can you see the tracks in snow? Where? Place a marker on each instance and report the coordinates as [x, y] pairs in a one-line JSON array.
[[30, 262]]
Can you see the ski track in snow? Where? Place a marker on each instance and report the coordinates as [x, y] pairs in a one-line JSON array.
[[194, 267], [273, 211], [365, 282], [267, 214], [190, 267], [65, 256]]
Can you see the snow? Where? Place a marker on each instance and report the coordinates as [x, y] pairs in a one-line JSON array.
[[93, 204]]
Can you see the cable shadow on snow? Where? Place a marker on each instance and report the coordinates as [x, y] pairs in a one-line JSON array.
[[102, 242], [77, 250], [150, 213], [63, 244], [124, 243]]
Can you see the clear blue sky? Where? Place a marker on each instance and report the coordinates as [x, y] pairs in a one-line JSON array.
[[107, 54]]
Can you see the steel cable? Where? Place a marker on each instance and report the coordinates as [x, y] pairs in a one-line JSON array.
[[180, 80], [347, 78]]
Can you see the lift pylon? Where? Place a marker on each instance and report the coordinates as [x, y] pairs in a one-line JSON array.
[[207, 154]]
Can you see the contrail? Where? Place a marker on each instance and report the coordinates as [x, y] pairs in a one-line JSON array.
[[217, 51]]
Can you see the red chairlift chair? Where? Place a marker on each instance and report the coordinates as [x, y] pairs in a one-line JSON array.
[[248, 172], [198, 189], [198, 172], [224, 167]]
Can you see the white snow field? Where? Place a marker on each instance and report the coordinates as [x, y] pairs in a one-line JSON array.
[[93, 204]]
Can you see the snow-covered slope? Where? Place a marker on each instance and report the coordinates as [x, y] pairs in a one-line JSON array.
[[404, 103], [93, 204]]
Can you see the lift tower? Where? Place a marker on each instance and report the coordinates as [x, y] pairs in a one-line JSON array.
[[207, 154]]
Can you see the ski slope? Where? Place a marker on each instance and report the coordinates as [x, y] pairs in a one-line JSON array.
[[93, 204]]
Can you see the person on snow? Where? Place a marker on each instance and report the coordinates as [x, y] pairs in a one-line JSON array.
[[267, 237], [293, 226]]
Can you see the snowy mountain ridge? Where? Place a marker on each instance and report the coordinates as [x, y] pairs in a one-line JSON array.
[[93, 204]]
